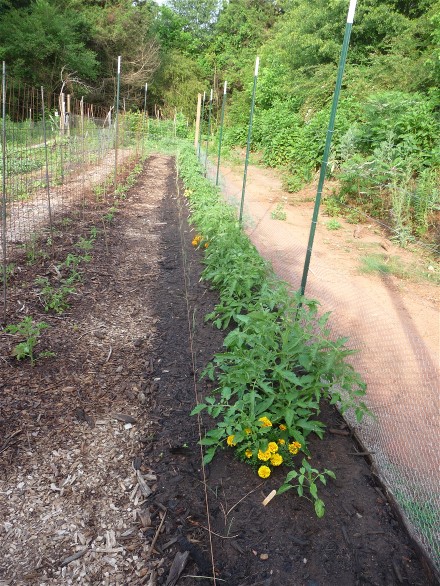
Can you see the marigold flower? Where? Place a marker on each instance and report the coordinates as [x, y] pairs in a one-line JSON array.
[[230, 440], [276, 460], [248, 453], [264, 455], [247, 430], [283, 427], [265, 421], [294, 447], [281, 441], [264, 471], [272, 447], [206, 244]]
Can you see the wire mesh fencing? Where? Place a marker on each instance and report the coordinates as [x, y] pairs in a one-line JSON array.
[[393, 329], [60, 156]]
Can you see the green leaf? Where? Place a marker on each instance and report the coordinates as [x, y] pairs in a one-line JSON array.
[[198, 408], [284, 488], [319, 508], [208, 456], [291, 475], [313, 490]]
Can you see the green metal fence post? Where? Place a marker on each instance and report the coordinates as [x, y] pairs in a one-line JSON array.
[[4, 189], [117, 119], [201, 124], [145, 118], [209, 131], [220, 138], [248, 147], [331, 126]]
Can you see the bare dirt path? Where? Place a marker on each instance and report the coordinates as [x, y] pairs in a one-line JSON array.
[[393, 323]]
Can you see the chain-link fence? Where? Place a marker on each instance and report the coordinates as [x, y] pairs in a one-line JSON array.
[[393, 327]]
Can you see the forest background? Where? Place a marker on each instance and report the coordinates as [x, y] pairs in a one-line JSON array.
[[386, 148]]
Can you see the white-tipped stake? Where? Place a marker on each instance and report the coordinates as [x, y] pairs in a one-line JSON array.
[[210, 99], [257, 63], [351, 11], [269, 498], [204, 96], [146, 87], [225, 87], [119, 64]]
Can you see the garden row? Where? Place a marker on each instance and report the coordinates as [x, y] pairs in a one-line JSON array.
[[279, 362]]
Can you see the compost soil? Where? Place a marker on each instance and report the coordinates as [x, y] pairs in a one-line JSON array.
[[101, 478]]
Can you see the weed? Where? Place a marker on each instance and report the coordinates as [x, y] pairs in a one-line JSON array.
[[278, 213], [29, 331], [333, 224]]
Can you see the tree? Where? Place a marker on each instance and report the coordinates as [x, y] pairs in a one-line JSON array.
[[198, 16], [39, 41]]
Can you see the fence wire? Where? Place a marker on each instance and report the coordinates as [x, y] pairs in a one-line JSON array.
[[397, 359], [60, 155]]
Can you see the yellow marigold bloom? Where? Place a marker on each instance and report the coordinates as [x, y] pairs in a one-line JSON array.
[[264, 455], [265, 421], [283, 427], [206, 244], [264, 471], [294, 447], [230, 440], [276, 460], [248, 453], [281, 441], [195, 242], [247, 430], [272, 447]]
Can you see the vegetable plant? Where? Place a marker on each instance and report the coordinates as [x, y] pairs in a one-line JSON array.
[[29, 332]]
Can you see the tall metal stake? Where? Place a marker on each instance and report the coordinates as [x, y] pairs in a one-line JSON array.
[[220, 138], [248, 147], [201, 124], [4, 189], [328, 141], [145, 116], [43, 113], [116, 120], [209, 132]]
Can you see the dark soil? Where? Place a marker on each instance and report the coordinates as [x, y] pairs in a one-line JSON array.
[[215, 514]]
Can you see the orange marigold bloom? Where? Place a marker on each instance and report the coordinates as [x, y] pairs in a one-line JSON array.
[[264, 471], [283, 427], [272, 447], [230, 440], [276, 460], [294, 447], [264, 455]]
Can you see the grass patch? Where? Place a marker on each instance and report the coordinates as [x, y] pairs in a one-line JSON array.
[[393, 265]]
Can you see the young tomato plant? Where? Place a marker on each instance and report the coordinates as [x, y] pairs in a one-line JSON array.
[[29, 332]]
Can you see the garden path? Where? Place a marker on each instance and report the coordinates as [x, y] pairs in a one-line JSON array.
[[392, 323]]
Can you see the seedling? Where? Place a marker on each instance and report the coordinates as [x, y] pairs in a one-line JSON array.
[[30, 332], [54, 299]]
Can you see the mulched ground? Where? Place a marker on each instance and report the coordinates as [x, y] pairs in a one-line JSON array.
[[101, 479]]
